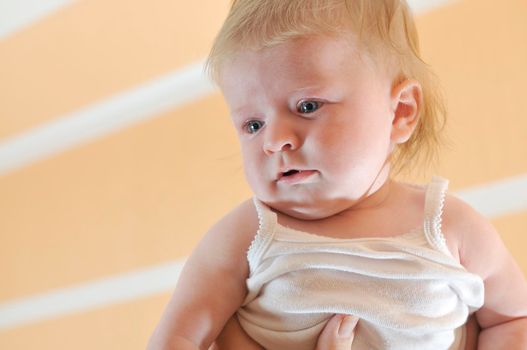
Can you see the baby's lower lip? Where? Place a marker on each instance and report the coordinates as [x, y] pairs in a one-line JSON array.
[[298, 177]]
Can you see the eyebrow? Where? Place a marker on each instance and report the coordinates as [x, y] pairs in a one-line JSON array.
[[241, 113], [238, 111], [311, 87]]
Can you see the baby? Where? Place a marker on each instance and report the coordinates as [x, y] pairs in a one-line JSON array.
[[330, 100]]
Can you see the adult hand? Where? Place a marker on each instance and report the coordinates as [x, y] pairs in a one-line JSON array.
[[338, 333]]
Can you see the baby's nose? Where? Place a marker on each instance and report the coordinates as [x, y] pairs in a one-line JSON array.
[[280, 137]]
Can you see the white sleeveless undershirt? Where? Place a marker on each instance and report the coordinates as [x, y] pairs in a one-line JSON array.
[[408, 290]]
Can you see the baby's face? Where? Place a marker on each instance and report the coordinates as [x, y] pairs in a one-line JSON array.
[[314, 122]]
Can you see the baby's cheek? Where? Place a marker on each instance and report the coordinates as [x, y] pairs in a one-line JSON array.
[[254, 172], [249, 159]]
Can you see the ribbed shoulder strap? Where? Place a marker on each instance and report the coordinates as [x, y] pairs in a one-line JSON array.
[[434, 201], [266, 228]]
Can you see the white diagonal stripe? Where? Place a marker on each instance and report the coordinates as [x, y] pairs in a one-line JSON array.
[[420, 6], [18, 14], [494, 199], [111, 290], [113, 114], [503, 197]]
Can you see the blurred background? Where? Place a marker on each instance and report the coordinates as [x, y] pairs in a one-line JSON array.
[[116, 154]]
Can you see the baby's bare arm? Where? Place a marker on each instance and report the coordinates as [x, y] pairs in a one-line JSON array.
[[211, 286], [503, 317]]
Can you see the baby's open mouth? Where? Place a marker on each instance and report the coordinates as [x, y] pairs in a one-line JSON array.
[[295, 176], [290, 172]]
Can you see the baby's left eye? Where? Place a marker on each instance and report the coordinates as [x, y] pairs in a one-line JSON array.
[[306, 107]]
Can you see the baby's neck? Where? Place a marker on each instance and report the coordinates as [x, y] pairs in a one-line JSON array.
[[376, 199], [382, 215]]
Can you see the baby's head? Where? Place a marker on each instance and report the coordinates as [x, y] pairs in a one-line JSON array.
[[335, 84]]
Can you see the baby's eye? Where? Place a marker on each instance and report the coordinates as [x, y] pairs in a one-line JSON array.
[[306, 107], [252, 126]]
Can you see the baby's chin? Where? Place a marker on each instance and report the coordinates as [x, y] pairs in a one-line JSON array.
[[305, 211]]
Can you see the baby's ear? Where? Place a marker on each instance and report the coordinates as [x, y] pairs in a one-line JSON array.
[[407, 99]]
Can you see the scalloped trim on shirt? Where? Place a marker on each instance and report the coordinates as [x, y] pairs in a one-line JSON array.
[[435, 200], [264, 235]]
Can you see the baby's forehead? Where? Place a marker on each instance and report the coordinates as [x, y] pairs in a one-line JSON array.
[[313, 55], [305, 46]]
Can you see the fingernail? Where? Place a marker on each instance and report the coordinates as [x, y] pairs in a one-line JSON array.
[[347, 325]]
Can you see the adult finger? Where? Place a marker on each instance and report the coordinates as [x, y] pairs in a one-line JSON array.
[[338, 333]]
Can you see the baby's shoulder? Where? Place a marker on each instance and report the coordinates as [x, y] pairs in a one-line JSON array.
[[464, 227], [225, 244], [238, 227], [453, 213]]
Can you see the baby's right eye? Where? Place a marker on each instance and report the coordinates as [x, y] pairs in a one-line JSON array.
[[252, 126]]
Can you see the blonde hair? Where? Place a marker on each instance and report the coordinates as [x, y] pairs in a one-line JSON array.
[[384, 28]]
